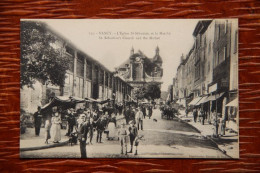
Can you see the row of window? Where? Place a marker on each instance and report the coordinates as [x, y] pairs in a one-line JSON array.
[[79, 86]]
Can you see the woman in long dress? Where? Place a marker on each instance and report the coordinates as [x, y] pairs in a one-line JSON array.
[[55, 128], [112, 128]]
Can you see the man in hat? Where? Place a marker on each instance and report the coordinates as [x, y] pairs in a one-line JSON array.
[[100, 125], [122, 134], [71, 121], [82, 130], [133, 132], [37, 121], [139, 118]]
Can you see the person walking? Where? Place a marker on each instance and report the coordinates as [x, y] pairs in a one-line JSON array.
[[223, 125], [101, 125], [122, 134], [71, 121], [127, 115], [91, 129], [150, 111], [55, 128], [143, 110], [195, 114], [202, 114], [47, 131], [133, 132], [139, 118], [37, 121], [82, 130], [111, 127], [215, 123]]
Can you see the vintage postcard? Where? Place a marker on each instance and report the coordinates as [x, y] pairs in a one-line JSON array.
[[129, 88]]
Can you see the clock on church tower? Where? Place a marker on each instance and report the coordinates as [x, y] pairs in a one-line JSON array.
[[137, 59]]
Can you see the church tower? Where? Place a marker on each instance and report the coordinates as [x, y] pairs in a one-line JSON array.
[[157, 58], [132, 51]]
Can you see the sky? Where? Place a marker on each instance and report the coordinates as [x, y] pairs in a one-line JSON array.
[[110, 40]]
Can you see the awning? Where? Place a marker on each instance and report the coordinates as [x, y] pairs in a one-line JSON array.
[[181, 101], [132, 99], [203, 100], [215, 97], [233, 103], [63, 101], [195, 101], [91, 100]]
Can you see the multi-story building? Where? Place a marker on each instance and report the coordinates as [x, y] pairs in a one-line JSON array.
[[85, 78], [189, 76], [181, 81], [210, 69], [174, 89], [139, 70], [200, 57], [233, 82]]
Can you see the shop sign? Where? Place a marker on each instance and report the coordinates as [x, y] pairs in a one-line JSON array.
[[213, 88]]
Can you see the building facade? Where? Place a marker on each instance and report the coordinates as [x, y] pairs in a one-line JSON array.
[[139, 70], [208, 76], [85, 78]]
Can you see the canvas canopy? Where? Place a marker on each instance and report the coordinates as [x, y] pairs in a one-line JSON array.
[[215, 97], [195, 101], [233, 103], [91, 100], [203, 100], [64, 101]]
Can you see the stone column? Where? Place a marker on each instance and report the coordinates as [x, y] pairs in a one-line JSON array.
[[131, 70], [92, 79], [74, 73], [104, 84], [108, 86], [85, 78]]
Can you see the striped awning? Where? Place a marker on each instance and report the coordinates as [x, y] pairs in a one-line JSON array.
[[233, 103], [203, 100], [215, 97], [195, 101]]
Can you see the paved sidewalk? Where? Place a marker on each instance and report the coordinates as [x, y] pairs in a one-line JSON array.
[[228, 143], [29, 141]]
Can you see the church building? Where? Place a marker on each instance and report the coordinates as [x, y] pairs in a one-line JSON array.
[[139, 70]]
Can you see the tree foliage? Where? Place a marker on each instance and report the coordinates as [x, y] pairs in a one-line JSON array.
[[139, 93], [40, 60], [152, 91]]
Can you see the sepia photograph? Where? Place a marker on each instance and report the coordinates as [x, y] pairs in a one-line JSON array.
[[129, 88]]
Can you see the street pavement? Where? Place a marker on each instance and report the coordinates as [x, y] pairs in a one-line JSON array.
[[162, 139], [29, 141], [228, 143]]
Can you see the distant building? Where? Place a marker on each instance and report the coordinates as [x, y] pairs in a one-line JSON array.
[[164, 96], [139, 70]]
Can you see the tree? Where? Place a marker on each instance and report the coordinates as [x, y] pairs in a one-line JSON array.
[[40, 60], [152, 91], [139, 93]]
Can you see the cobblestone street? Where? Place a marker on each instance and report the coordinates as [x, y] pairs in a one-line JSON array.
[[164, 138]]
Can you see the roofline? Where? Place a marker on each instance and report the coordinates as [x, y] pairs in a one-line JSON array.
[[68, 42], [201, 26]]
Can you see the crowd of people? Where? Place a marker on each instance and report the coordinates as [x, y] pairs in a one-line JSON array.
[[168, 111], [83, 123], [217, 120]]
